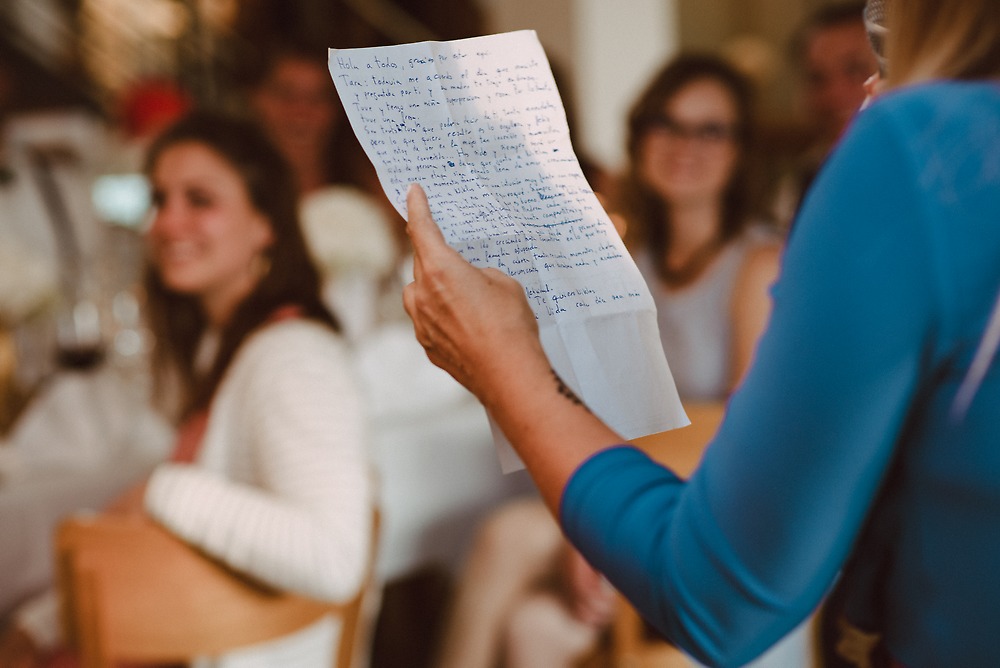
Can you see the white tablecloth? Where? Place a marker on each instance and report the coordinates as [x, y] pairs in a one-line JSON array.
[[432, 446], [440, 477], [86, 437]]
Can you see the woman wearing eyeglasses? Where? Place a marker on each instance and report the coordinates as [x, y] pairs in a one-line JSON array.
[[687, 197]]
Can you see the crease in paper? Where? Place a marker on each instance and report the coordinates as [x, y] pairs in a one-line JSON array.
[[479, 124]]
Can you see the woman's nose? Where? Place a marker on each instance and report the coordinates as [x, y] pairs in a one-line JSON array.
[[168, 220]]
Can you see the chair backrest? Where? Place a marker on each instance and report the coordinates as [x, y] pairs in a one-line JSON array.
[[680, 450], [131, 591]]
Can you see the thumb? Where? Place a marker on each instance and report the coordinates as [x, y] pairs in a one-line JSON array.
[[427, 239]]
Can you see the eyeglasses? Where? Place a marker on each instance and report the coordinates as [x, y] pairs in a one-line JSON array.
[[705, 133]]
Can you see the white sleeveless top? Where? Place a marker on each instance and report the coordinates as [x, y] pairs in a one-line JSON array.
[[695, 324]]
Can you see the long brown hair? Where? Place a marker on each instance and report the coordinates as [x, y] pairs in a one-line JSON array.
[[177, 320], [648, 216], [931, 39]]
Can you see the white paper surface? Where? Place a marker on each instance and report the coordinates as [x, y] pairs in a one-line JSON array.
[[479, 124]]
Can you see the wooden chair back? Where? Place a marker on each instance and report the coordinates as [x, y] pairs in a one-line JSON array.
[[680, 450], [133, 592]]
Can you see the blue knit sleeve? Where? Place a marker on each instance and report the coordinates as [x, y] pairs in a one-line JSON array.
[[732, 560]]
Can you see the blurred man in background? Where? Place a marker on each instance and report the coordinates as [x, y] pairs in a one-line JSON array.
[[834, 58]]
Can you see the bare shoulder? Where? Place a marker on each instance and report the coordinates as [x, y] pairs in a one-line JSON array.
[[760, 265], [751, 300]]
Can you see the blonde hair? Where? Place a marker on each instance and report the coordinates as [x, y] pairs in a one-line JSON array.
[[942, 39]]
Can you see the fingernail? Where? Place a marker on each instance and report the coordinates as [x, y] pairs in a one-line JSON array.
[[410, 189]]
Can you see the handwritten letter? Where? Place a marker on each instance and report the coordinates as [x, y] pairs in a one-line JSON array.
[[480, 125]]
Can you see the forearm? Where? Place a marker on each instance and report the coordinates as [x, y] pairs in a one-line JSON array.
[[727, 563], [476, 325], [278, 541], [550, 427]]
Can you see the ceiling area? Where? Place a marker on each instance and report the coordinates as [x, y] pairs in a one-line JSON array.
[[90, 51]]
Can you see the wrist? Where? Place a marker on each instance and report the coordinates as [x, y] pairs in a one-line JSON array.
[[515, 381]]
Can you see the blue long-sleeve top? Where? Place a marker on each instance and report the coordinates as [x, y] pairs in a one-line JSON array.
[[885, 290]]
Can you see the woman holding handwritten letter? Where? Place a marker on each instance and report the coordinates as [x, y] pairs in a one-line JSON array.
[[847, 417]]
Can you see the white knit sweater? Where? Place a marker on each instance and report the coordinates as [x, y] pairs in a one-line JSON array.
[[281, 489]]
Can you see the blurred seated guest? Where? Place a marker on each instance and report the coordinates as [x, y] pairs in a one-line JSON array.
[[347, 221], [297, 106], [292, 96], [689, 201], [528, 599], [269, 472], [833, 57]]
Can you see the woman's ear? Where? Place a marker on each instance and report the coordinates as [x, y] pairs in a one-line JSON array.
[[263, 232], [873, 86]]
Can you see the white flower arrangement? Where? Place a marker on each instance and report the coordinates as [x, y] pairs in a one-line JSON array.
[[28, 282], [347, 232]]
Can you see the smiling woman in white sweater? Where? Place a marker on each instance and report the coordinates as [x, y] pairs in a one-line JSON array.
[[277, 485], [269, 473], [280, 488]]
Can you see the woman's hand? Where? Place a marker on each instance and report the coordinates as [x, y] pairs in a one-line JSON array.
[[130, 503], [474, 323], [590, 597]]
